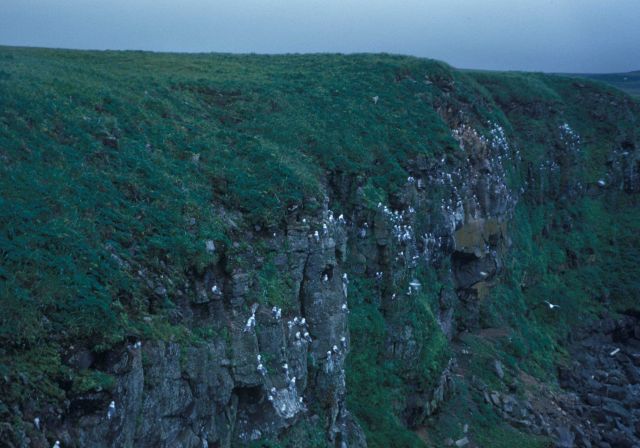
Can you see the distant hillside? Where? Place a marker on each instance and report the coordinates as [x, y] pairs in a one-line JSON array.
[[627, 82]]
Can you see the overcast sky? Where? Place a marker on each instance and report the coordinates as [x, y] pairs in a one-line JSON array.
[[544, 35]]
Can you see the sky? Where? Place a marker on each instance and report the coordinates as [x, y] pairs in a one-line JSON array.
[[595, 36]]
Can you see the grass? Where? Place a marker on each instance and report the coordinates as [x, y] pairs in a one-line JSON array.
[[117, 167], [627, 82]]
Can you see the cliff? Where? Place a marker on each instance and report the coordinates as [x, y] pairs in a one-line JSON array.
[[314, 250]]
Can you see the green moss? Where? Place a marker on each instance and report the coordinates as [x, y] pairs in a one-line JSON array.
[[92, 381]]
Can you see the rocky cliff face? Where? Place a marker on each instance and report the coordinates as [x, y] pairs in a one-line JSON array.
[[266, 346]]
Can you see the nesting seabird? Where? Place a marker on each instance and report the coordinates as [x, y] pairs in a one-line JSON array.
[[112, 410], [251, 322]]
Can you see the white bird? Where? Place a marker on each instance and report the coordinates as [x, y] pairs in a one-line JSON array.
[[341, 219], [259, 357], [484, 274], [112, 410], [297, 335], [306, 336], [292, 381], [316, 235], [276, 312], [273, 390], [295, 321], [325, 230], [325, 278], [285, 366], [551, 305], [261, 369], [345, 307], [138, 344], [375, 99], [601, 182], [300, 399], [36, 421], [345, 278], [343, 341], [251, 322], [290, 325], [57, 444], [303, 321], [615, 352], [335, 349]]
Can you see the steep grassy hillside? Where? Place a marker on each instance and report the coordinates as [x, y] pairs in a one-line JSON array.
[[119, 171]]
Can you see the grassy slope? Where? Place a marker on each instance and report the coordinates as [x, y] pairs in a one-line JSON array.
[[627, 82], [75, 205]]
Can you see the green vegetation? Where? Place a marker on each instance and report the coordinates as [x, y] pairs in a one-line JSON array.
[[627, 82], [377, 383], [117, 167]]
